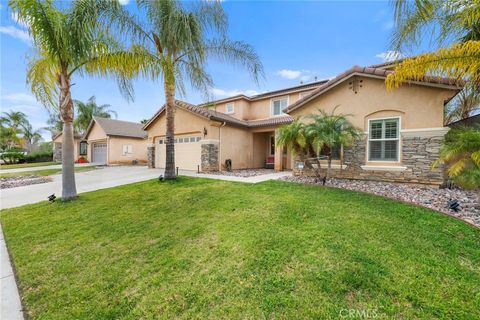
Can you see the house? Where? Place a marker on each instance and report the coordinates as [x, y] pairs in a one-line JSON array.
[[57, 146], [403, 127], [112, 141]]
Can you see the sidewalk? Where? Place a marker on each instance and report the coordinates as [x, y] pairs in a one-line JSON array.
[[10, 305], [54, 166]]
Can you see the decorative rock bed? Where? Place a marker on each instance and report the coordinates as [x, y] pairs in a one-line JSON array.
[[6, 183], [244, 173], [429, 197]]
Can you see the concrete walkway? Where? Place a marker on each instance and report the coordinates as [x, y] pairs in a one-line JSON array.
[[53, 166], [10, 305]]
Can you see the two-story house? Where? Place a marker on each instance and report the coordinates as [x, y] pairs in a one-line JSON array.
[[403, 127]]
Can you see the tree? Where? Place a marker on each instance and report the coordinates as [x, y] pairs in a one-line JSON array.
[[11, 123], [54, 122], [175, 43], [461, 154], [444, 20], [14, 119], [71, 39], [293, 137], [31, 136], [86, 112], [330, 130], [463, 105]]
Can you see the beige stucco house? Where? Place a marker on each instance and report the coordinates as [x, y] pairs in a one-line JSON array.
[[57, 146], [112, 141], [403, 127]]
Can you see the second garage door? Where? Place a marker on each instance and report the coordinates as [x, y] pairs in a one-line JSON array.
[[99, 153], [187, 152]]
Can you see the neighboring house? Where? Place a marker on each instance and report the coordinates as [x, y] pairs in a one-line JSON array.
[[57, 146], [403, 128], [470, 121], [115, 142]]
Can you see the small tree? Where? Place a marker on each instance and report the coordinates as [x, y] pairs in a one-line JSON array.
[[293, 137], [330, 130], [87, 110]]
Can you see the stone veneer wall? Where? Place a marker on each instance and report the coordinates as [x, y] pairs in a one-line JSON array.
[[418, 153], [151, 156], [209, 155], [57, 152]]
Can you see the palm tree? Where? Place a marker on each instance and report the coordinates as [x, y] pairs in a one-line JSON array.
[[444, 21], [86, 112], [175, 43], [463, 105], [330, 130], [11, 128], [31, 136], [14, 119], [294, 138], [70, 39], [461, 154], [54, 123]]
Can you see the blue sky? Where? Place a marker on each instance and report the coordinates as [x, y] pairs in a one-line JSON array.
[[296, 40]]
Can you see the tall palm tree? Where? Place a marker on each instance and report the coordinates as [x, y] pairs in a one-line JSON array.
[[70, 39], [14, 119], [444, 20], [329, 130], [31, 136], [87, 110], [175, 42]]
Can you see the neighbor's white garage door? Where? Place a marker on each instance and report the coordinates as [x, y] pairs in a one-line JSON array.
[[99, 152], [187, 152]]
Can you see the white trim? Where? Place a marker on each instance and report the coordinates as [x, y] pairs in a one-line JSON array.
[[383, 168], [272, 100], [425, 132], [398, 139], [233, 107]]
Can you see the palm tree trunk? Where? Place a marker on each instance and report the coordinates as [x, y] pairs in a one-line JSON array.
[[169, 135], [69, 189], [329, 168]]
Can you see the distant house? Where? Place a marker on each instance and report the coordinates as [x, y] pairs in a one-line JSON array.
[[403, 127], [470, 121], [57, 146], [112, 141]]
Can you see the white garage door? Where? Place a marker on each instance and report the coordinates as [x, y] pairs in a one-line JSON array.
[[187, 152], [99, 152]]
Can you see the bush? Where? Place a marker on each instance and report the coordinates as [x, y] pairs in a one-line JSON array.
[[12, 156], [39, 156]]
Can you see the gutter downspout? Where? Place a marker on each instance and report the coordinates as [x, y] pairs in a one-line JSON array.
[[220, 145]]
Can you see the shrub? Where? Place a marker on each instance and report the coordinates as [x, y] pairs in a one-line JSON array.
[[12, 156], [39, 156]]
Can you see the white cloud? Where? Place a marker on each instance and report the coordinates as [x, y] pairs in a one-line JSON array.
[[124, 2], [20, 97], [16, 33], [230, 93], [390, 56], [388, 25], [289, 74]]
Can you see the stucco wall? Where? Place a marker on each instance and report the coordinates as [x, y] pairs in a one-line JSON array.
[[115, 150], [96, 134], [236, 144], [57, 143]]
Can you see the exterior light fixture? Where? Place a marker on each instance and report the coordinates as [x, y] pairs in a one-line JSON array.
[[453, 205], [52, 198]]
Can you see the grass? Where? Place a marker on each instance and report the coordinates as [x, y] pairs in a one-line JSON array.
[[46, 172], [200, 248], [27, 165]]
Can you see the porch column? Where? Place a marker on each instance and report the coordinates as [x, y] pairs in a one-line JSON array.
[[278, 155], [151, 155]]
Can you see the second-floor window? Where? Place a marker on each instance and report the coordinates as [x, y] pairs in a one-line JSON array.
[[230, 108], [278, 105]]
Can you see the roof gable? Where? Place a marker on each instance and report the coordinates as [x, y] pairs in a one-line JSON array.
[[119, 128]]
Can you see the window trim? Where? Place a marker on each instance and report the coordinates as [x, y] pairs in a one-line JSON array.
[[390, 139], [125, 150], [233, 107], [272, 100]]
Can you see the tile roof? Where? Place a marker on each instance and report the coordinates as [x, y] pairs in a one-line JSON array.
[[119, 128], [366, 71], [222, 117]]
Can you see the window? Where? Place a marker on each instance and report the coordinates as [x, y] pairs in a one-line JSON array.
[[127, 149], [336, 151], [229, 107], [160, 141], [192, 139], [199, 138], [272, 145], [180, 140], [383, 140], [83, 148], [278, 105]]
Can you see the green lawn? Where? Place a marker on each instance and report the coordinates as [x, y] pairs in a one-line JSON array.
[[45, 172], [27, 165], [210, 249]]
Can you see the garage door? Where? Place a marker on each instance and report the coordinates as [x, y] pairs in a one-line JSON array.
[[187, 152], [99, 152]]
